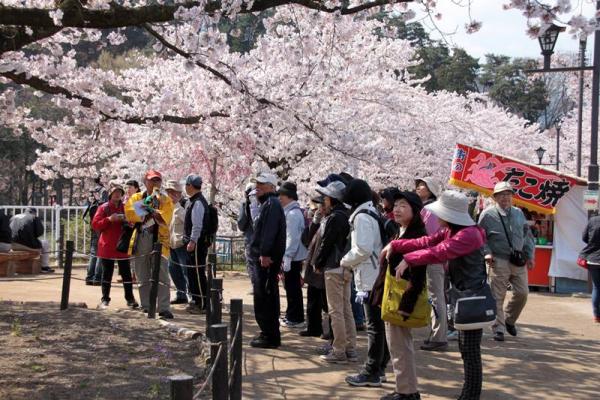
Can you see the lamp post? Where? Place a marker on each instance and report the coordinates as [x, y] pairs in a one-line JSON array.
[[540, 151], [548, 41]]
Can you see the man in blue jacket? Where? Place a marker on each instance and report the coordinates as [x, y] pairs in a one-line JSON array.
[[266, 250]]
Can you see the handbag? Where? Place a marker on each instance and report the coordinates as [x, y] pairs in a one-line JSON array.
[[473, 308], [392, 295], [517, 257], [125, 238]]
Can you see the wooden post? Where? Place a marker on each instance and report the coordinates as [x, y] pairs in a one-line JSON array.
[[156, 249], [209, 279], [182, 387], [66, 286], [216, 301], [218, 338], [236, 312], [60, 240]]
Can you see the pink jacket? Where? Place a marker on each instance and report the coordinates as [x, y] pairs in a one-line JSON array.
[[440, 247], [432, 224]]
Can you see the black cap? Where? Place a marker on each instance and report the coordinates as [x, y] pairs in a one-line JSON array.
[[331, 178], [357, 192], [289, 189], [346, 177], [412, 198], [389, 193]]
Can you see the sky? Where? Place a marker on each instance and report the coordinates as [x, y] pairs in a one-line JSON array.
[[502, 31]]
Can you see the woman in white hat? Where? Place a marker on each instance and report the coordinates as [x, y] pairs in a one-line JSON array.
[[458, 245]]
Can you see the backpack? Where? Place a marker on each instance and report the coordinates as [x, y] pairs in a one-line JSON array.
[[211, 224], [385, 238]]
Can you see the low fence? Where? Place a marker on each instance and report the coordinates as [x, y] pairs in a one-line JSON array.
[[225, 373], [66, 223]]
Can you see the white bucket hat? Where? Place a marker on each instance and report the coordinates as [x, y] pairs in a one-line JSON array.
[[503, 187], [432, 184], [265, 177], [335, 190], [453, 207]]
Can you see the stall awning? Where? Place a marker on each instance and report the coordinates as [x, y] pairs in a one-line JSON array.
[[536, 188]]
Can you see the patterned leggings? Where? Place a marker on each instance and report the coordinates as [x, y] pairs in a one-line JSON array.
[[469, 343]]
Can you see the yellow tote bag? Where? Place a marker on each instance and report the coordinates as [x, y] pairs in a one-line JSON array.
[[392, 294]]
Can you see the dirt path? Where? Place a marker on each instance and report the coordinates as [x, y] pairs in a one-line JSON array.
[[555, 356]]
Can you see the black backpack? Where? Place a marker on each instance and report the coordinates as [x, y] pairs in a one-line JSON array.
[[211, 224], [381, 221]]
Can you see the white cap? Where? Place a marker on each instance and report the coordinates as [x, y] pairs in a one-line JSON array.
[[453, 207], [503, 187], [265, 177], [335, 190]]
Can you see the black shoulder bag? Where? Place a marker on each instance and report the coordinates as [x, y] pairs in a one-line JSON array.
[[517, 257]]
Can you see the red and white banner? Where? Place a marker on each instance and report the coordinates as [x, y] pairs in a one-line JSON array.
[[536, 188]]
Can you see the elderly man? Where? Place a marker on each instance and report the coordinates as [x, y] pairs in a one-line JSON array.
[[248, 213], [26, 229], [266, 251], [179, 256], [195, 235], [508, 253], [152, 212]]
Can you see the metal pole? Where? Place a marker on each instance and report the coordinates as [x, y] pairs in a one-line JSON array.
[[66, 286], [593, 167], [557, 147], [582, 45], [218, 338], [182, 387], [156, 253], [236, 313]]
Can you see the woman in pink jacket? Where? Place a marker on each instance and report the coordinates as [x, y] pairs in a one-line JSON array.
[[108, 222], [458, 245]]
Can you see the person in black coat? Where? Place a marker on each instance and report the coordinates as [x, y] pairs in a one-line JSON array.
[[591, 255], [267, 248], [5, 234]]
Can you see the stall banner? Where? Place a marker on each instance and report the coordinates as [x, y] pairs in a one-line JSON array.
[[537, 189]]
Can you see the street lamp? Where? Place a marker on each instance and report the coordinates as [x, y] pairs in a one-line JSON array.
[[540, 153], [548, 41]]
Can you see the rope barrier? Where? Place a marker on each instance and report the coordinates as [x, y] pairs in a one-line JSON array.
[[237, 329], [230, 381], [186, 265], [212, 370]]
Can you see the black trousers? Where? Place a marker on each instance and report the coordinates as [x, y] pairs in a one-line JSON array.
[[469, 343], [378, 355], [108, 267], [293, 293], [316, 303], [266, 301], [197, 276]]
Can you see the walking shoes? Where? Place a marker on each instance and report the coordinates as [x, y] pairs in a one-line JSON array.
[[363, 380]]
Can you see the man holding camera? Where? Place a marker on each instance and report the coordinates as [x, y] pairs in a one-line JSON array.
[[509, 255]]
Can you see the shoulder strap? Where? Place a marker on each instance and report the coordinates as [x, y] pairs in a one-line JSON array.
[[372, 214], [505, 231]]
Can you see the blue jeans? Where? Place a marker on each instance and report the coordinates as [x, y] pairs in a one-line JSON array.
[[595, 273], [357, 309], [94, 270], [178, 273]]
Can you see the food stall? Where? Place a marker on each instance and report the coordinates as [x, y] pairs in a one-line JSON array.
[[552, 200]]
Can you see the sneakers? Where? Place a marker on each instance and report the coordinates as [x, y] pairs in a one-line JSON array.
[[434, 346], [195, 309], [382, 377], [103, 305], [352, 355], [363, 380], [132, 304], [308, 333], [47, 270], [452, 335], [333, 358], [263, 342], [166, 314], [89, 283], [499, 336], [511, 329], [325, 349], [284, 322], [400, 396], [179, 301]]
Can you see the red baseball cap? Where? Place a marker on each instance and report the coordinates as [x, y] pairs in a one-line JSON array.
[[152, 174]]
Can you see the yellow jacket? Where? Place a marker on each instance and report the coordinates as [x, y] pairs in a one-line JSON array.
[[165, 209]]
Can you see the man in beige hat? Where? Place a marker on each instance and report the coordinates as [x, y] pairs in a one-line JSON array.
[[506, 230], [178, 253]]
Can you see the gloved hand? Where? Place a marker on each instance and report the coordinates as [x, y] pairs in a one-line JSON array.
[[361, 297], [287, 264]]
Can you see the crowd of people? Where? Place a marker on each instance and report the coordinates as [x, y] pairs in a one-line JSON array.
[[346, 245]]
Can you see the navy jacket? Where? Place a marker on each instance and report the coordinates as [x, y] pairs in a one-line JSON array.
[[334, 241], [26, 229], [268, 239], [591, 236]]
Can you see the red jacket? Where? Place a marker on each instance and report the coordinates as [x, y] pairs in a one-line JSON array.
[[109, 231], [440, 247]]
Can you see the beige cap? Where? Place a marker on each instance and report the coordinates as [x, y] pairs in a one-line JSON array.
[[503, 187], [173, 185]]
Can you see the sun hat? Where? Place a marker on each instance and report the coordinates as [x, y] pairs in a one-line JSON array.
[[452, 207], [173, 185], [503, 187], [334, 190], [113, 188], [265, 177], [432, 184], [331, 178], [289, 189]]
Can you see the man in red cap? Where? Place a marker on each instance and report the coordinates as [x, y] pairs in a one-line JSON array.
[[151, 212]]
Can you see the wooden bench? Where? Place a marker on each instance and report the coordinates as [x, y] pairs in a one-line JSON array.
[[19, 262]]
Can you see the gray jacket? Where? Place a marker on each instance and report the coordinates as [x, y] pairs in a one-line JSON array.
[[516, 226], [294, 219]]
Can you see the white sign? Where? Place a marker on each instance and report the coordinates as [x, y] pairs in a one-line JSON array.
[[590, 200]]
